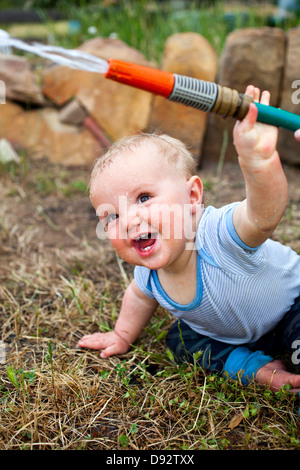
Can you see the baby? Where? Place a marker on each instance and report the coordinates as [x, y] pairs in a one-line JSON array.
[[234, 291]]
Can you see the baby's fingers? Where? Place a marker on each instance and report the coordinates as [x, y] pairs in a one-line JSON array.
[[110, 343], [251, 117], [265, 97], [94, 341], [112, 350], [253, 92]]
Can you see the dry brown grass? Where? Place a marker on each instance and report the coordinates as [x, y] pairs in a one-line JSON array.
[[59, 282]]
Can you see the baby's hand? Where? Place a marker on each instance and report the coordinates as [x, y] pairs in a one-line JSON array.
[[255, 141], [110, 343]]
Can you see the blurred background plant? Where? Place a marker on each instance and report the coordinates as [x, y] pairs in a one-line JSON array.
[[145, 25]]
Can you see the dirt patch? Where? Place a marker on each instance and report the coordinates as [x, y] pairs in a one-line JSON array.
[[48, 223]]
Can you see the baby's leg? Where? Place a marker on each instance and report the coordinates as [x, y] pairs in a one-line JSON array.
[[237, 362], [186, 345], [275, 374], [288, 330]]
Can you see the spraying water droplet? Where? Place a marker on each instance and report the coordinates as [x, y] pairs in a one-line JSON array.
[[70, 57]]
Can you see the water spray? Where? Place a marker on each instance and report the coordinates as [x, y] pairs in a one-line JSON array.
[[200, 94]]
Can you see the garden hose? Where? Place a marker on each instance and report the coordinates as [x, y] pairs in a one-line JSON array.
[[199, 94]]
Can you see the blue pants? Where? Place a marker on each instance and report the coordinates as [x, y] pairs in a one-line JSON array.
[[216, 356]]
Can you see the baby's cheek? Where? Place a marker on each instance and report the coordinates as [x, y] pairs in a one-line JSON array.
[[123, 250], [119, 249], [173, 222]]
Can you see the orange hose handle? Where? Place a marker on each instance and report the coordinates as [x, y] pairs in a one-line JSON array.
[[139, 76], [199, 94]]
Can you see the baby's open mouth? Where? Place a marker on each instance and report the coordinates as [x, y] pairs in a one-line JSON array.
[[145, 242]]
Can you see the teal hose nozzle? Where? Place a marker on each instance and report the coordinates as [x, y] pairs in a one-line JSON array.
[[278, 117], [228, 102]]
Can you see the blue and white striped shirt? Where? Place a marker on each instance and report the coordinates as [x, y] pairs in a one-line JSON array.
[[242, 292]]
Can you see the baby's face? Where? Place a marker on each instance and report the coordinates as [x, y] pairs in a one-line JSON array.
[[144, 204]]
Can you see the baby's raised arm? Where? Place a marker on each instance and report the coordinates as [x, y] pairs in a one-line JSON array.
[[135, 313], [258, 215]]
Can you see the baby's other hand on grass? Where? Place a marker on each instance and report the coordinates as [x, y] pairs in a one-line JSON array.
[[110, 343]]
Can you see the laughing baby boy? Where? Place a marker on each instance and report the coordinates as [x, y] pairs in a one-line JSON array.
[[235, 292]]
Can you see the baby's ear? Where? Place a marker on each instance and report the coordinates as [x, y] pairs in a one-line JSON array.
[[196, 191]]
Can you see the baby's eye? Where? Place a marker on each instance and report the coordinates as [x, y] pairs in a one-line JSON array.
[[143, 198]]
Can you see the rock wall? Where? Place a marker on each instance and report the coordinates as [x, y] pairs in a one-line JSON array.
[[250, 56], [190, 55], [82, 112], [267, 58], [71, 116], [290, 96]]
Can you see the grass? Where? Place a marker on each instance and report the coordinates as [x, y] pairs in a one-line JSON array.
[[147, 25], [59, 282]]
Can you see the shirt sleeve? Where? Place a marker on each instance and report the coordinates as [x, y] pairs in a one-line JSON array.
[[233, 233], [218, 240], [142, 278]]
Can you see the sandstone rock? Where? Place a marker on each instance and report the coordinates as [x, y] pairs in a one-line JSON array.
[[73, 113], [120, 110], [20, 81], [290, 97], [251, 56], [192, 55], [43, 135]]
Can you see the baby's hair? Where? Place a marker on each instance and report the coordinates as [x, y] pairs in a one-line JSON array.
[[170, 148]]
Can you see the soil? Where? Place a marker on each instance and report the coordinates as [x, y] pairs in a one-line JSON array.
[[58, 281], [49, 226], [38, 220]]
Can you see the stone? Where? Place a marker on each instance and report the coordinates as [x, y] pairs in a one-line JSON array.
[[8, 153], [73, 113], [290, 97], [120, 110], [20, 82], [42, 134], [188, 54], [251, 56]]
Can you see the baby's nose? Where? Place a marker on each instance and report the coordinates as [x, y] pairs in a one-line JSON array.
[[133, 221]]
